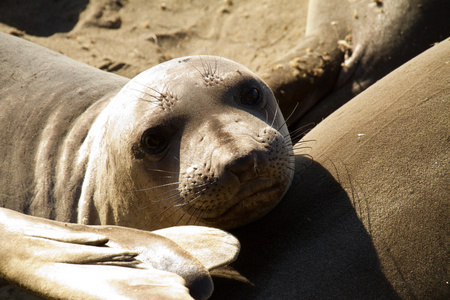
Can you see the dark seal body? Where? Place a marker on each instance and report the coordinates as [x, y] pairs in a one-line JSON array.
[[348, 46], [368, 215]]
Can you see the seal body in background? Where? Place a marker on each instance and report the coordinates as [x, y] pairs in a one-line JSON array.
[[347, 47], [367, 217]]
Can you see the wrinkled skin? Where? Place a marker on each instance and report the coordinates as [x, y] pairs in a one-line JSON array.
[[98, 151], [348, 46], [52, 151], [367, 214]]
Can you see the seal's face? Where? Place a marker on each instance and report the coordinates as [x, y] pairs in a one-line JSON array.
[[204, 142]]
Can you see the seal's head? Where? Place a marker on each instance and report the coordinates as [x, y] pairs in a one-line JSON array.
[[196, 140]]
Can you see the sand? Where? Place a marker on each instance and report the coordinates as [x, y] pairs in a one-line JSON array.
[[129, 36]]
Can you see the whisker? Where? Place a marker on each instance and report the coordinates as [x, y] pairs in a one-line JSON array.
[[149, 87], [192, 215], [187, 212], [177, 208], [155, 187], [200, 72], [161, 200], [205, 70], [176, 203], [301, 131], [209, 63], [163, 171], [143, 92], [216, 67], [143, 98], [193, 200], [181, 217], [200, 215], [301, 148], [303, 142], [166, 210], [290, 168], [290, 115], [275, 117]]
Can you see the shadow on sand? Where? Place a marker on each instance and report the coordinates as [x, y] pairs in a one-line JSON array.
[[41, 17]]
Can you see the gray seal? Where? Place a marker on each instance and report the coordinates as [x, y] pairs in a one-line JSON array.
[[196, 140]]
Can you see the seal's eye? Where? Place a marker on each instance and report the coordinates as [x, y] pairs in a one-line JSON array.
[[251, 97], [154, 141]]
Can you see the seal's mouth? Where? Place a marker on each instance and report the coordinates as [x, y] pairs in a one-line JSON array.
[[253, 200], [254, 188]]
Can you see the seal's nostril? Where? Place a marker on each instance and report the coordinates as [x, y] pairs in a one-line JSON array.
[[256, 170], [245, 167]]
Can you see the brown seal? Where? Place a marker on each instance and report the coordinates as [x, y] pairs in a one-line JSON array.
[[200, 141], [196, 140]]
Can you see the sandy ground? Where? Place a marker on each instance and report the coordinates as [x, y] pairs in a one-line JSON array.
[[129, 36]]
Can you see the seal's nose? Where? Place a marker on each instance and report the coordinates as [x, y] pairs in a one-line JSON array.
[[246, 165]]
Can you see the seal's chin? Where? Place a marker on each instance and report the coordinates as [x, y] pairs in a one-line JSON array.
[[253, 200]]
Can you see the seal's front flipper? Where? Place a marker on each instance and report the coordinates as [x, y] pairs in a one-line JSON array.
[[161, 253], [70, 261], [47, 229], [189, 251], [45, 241], [212, 247]]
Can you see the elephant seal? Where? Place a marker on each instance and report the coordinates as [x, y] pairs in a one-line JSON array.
[[368, 217], [348, 46], [196, 140]]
